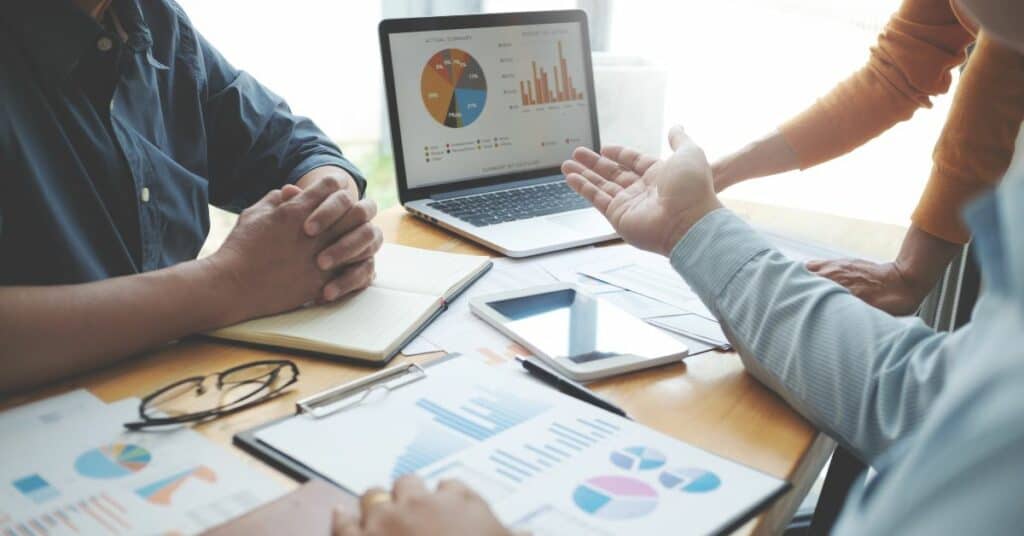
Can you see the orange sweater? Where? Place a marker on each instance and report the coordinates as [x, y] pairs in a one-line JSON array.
[[912, 61]]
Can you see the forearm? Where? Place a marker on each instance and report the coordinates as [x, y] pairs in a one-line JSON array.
[[923, 259], [862, 375], [767, 156], [55, 331], [309, 179]]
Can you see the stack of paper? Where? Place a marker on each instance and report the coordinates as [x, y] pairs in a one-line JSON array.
[[70, 467]]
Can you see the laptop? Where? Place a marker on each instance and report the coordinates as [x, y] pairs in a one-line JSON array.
[[484, 109]]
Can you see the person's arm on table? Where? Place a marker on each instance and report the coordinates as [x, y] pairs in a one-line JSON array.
[[863, 376], [266, 265]]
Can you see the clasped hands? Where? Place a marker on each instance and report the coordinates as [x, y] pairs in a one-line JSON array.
[[296, 246]]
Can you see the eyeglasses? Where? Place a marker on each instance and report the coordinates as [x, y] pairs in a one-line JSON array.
[[189, 400]]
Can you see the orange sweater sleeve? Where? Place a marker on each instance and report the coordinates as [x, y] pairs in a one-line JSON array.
[[911, 61], [977, 141]]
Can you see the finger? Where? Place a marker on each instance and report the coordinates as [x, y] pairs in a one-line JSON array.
[[328, 212], [352, 278], [456, 487], [407, 487], [270, 199], [604, 167], [373, 499], [815, 265], [597, 197], [351, 247], [313, 196], [362, 212], [677, 137], [609, 187], [344, 523], [631, 159], [289, 191]]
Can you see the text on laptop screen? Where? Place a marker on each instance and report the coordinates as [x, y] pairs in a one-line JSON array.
[[480, 102]]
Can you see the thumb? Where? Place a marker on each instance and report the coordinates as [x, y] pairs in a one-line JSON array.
[[677, 137]]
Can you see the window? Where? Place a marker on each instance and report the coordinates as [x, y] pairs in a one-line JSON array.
[[734, 70]]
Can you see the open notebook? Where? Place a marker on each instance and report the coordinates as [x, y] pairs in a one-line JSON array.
[[412, 287]]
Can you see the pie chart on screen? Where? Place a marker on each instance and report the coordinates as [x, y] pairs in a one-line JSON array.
[[615, 497], [112, 461], [454, 88]]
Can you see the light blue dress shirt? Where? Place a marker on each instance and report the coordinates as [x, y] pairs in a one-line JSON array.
[[939, 416]]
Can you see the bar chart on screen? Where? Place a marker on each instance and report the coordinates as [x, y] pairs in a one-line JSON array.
[[553, 84]]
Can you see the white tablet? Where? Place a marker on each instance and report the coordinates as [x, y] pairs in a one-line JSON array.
[[580, 335]]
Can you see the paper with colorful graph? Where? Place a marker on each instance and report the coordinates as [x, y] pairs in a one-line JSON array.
[[70, 467]]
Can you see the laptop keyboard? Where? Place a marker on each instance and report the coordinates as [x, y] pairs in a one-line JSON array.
[[512, 205]]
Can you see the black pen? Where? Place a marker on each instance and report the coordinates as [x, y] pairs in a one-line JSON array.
[[569, 387]]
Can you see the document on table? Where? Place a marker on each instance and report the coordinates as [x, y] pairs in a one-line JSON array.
[[70, 467], [545, 462]]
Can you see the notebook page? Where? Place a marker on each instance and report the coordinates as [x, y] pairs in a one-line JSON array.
[[423, 271], [363, 325]]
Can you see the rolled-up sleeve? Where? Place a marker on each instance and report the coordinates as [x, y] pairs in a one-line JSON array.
[[861, 375], [255, 142]]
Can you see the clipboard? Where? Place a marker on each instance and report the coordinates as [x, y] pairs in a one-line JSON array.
[[350, 395], [327, 403]]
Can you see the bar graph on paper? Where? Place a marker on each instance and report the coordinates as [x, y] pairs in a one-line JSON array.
[[97, 514], [486, 415], [550, 85], [561, 442]]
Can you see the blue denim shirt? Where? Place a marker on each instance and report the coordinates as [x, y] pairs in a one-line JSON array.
[[99, 181]]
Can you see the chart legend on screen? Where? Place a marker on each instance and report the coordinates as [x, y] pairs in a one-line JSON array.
[[538, 90], [454, 88]]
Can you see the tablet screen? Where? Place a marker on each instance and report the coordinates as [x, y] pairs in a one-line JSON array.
[[564, 324]]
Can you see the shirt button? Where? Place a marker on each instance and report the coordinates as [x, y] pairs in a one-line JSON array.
[[145, 195], [104, 44]]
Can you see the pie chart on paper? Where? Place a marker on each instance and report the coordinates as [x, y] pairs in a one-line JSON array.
[[112, 461], [638, 458], [454, 88], [615, 497], [690, 480]]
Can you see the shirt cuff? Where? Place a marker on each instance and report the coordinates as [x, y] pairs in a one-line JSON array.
[[714, 250], [320, 160]]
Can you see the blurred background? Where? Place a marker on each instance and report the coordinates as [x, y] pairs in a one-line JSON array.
[[728, 70]]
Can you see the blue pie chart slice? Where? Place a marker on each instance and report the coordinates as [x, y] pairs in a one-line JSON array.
[[112, 461], [690, 480], [638, 458], [615, 497]]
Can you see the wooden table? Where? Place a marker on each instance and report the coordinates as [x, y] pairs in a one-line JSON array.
[[709, 401]]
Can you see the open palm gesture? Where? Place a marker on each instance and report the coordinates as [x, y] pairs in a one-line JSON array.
[[651, 203]]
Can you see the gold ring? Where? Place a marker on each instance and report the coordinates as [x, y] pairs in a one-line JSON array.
[[376, 497]]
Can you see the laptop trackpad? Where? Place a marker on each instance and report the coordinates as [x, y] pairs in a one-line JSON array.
[[588, 222]]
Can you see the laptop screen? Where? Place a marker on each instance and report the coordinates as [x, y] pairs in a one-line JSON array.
[[483, 102]]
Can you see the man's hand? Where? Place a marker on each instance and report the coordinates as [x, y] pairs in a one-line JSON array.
[[413, 510], [881, 285], [270, 261], [651, 203], [343, 215]]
